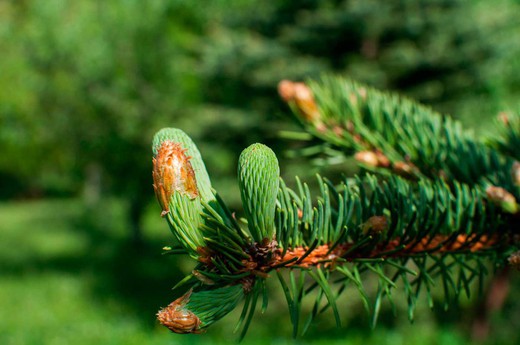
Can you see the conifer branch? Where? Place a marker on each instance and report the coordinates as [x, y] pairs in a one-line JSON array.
[[384, 131], [408, 232]]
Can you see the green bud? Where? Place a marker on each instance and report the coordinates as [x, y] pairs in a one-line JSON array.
[[258, 178], [201, 175], [501, 197], [194, 311], [180, 181]]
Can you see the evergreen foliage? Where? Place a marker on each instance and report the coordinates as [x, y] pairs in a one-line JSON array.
[[508, 138], [435, 205], [389, 132]]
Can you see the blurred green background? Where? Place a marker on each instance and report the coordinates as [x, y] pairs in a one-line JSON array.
[[84, 85]]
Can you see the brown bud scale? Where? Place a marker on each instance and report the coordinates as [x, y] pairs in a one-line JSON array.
[[172, 172], [375, 225], [177, 318], [367, 157], [302, 96], [499, 194]]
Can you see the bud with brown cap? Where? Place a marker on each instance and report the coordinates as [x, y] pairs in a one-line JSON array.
[[502, 198], [302, 96]]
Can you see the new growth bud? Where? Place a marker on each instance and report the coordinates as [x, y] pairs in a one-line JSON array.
[[196, 310], [178, 318], [367, 157], [172, 172], [372, 158], [181, 185], [375, 225], [502, 198], [301, 95], [258, 181]]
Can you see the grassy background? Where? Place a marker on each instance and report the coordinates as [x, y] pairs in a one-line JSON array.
[[70, 276]]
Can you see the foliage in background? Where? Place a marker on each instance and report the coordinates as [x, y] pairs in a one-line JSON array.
[[456, 55], [84, 79], [87, 82]]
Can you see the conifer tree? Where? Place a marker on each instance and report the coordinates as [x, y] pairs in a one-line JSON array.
[[433, 205]]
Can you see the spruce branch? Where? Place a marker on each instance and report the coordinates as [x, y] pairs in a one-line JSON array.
[[366, 226], [384, 131], [409, 232]]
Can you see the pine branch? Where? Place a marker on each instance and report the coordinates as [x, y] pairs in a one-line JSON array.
[[391, 228], [387, 132]]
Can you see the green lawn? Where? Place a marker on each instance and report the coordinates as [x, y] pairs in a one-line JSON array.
[[68, 276]]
